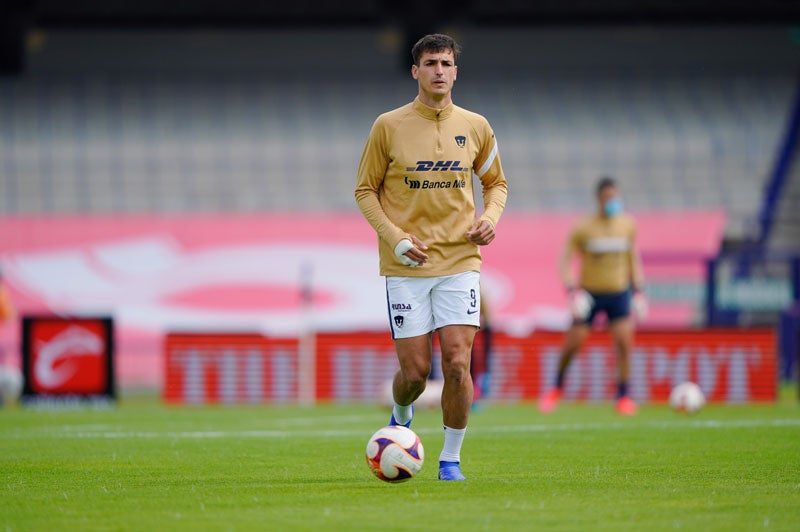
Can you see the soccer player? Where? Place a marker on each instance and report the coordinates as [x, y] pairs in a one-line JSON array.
[[415, 189], [610, 272]]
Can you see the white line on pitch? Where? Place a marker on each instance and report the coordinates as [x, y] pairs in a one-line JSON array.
[[103, 432]]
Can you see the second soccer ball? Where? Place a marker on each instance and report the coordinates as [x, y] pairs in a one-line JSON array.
[[687, 397]]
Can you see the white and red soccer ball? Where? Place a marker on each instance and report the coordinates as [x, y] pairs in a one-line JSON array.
[[395, 454], [687, 397]]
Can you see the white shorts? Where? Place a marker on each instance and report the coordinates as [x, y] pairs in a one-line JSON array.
[[419, 305]]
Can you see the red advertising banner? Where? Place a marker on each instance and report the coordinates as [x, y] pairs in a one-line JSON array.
[[67, 357], [353, 366], [230, 368], [731, 366]]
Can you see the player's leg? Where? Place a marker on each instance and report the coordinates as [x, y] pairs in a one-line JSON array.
[[621, 327], [411, 321], [573, 340], [414, 355], [622, 331], [456, 345], [622, 335], [456, 303]]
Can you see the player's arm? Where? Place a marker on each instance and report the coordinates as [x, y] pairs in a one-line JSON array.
[[637, 272], [371, 171], [579, 300], [495, 191]]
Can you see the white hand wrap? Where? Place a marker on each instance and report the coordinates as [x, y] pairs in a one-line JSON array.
[[580, 304], [400, 249], [640, 305]]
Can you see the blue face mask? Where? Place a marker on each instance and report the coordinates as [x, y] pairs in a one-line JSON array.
[[613, 207]]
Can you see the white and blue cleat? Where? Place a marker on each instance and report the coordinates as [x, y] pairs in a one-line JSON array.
[[450, 471]]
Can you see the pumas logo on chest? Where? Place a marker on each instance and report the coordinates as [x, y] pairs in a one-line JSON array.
[[461, 141]]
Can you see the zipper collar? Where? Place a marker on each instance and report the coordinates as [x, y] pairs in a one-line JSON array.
[[430, 113]]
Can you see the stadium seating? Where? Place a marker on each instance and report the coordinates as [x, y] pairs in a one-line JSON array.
[[96, 136]]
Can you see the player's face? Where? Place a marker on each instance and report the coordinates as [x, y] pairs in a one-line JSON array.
[[605, 196], [436, 74]]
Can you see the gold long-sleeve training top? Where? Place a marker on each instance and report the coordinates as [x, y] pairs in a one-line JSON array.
[[606, 246], [415, 177]]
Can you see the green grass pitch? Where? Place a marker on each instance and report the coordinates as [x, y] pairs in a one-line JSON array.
[[146, 466]]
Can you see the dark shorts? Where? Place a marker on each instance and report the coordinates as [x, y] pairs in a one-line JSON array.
[[615, 306]]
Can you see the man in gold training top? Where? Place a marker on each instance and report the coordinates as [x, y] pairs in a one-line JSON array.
[[415, 189], [610, 271]]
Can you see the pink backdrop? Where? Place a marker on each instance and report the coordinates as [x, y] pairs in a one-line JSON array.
[[221, 272]]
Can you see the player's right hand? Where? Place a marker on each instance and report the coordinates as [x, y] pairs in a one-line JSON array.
[[410, 251], [580, 303]]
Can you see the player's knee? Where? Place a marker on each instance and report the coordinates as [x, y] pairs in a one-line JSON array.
[[455, 368], [416, 377]]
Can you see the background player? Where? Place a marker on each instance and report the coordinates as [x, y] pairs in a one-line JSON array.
[[415, 189], [610, 270]]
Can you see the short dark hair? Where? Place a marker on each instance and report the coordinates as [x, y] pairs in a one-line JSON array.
[[435, 42], [604, 183]]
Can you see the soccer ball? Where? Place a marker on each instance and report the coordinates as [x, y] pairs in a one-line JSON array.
[[10, 384], [395, 453], [687, 397]]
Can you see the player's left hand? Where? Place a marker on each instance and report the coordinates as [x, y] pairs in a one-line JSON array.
[[481, 232], [640, 305]]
